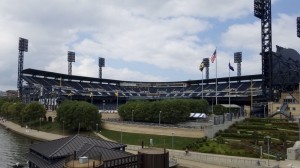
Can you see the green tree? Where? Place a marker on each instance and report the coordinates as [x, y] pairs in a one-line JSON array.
[[33, 111], [2, 101], [282, 136], [4, 109], [172, 110], [255, 136], [71, 113]]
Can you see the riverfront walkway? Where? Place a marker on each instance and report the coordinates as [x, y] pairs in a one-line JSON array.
[[193, 160]]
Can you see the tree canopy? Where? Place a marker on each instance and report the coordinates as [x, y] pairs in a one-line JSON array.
[[170, 111], [71, 113], [33, 111]]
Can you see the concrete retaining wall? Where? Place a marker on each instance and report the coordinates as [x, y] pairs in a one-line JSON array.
[[157, 130], [221, 160]]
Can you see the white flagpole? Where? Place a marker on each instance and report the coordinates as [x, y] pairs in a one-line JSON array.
[[229, 88], [216, 78], [118, 101], [202, 83]]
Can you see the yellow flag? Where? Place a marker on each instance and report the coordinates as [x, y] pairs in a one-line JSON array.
[[91, 94], [201, 67], [117, 93]]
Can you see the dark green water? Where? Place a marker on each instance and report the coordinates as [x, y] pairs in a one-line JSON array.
[[13, 148]]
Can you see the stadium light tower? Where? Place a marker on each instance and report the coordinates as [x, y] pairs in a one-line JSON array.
[[101, 64], [71, 58], [298, 27], [206, 65], [23, 47], [262, 10], [238, 60]]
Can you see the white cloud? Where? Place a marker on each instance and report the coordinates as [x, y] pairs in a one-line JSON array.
[[170, 35]]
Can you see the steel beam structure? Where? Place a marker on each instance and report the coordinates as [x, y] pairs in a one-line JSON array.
[[71, 58], [23, 47], [262, 10], [298, 27]]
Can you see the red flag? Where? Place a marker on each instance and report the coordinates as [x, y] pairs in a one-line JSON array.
[[214, 56]]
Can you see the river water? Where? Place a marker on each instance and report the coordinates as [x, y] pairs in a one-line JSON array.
[[13, 148]]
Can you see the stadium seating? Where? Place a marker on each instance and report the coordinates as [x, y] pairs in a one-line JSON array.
[[84, 86]]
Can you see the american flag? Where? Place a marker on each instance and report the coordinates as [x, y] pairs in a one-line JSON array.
[[214, 56]]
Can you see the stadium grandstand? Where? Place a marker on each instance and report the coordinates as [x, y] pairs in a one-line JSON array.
[[51, 88]]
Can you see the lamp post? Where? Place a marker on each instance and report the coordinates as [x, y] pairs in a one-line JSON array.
[[103, 103], [121, 136], [299, 127], [41, 123], [159, 118], [265, 111], [172, 140], [132, 115], [268, 138], [78, 128], [63, 127]]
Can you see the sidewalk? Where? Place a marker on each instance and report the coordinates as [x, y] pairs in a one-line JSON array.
[[34, 134]]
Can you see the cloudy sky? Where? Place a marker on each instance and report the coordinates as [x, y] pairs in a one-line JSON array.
[[141, 40]]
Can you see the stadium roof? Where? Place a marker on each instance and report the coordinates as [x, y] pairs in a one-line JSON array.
[[34, 72]]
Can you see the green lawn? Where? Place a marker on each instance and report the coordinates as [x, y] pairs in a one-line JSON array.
[[158, 140]]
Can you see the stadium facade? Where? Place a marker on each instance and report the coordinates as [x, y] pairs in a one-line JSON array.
[[51, 88]]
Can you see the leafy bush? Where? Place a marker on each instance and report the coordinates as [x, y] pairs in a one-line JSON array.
[[170, 111], [75, 114]]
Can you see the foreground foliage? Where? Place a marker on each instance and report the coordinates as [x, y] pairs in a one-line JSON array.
[[245, 138], [169, 111], [76, 115]]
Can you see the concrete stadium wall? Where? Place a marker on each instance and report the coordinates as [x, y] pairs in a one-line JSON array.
[[110, 115], [157, 130], [51, 114]]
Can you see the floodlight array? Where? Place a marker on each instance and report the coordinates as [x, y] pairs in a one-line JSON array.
[[237, 57], [101, 62], [23, 44], [206, 65], [238, 60], [206, 62], [258, 8], [23, 47], [71, 56]]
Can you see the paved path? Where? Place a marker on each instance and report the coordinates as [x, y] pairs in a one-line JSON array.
[[34, 134], [44, 136]]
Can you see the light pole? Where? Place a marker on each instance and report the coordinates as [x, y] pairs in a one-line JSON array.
[[265, 111], [78, 128], [132, 115], [299, 127], [63, 127], [268, 138], [121, 136], [172, 140], [159, 118], [41, 123], [103, 105]]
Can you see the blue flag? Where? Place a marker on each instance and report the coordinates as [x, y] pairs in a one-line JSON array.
[[230, 67]]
